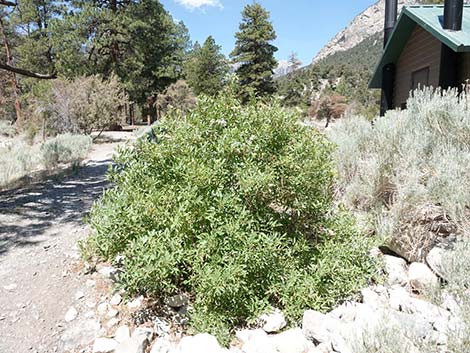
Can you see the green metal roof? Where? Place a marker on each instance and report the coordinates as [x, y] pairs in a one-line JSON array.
[[429, 18]]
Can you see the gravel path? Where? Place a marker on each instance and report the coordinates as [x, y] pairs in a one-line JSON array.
[[39, 260]]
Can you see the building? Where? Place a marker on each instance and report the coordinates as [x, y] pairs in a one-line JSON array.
[[429, 45]]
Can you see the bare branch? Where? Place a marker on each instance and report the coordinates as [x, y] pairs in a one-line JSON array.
[[27, 72], [7, 3]]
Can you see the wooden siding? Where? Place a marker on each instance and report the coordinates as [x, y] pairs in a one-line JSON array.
[[465, 67], [422, 50]]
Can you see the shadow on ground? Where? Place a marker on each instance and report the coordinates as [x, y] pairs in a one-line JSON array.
[[27, 213]]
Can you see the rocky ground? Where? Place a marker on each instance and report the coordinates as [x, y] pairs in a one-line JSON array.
[[395, 312]]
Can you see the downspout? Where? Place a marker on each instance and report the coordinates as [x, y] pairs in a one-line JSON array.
[[388, 70], [450, 60]]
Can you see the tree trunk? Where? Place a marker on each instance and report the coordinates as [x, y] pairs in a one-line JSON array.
[[14, 80]]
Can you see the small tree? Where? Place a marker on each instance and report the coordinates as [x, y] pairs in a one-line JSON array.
[[254, 52], [206, 68], [178, 96]]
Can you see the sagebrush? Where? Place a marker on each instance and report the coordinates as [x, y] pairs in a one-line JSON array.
[[408, 171], [231, 205], [66, 148]]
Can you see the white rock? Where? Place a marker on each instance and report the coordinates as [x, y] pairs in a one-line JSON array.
[[255, 341], [104, 345], [79, 295], [421, 276], [273, 322], [80, 333], [89, 314], [103, 308], [136, 344], [291, 341], [314, 326], [71, 314], [112, 313], [116, 299], [201, 343], [162, 346], [372, 299], [136, 303], [112, 322], [435, 257], [346, 312], [107, 272], [122, 334], [395, 267], [143, 331]]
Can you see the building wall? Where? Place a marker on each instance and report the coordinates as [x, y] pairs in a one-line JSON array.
[[464, 72], [421, 51]]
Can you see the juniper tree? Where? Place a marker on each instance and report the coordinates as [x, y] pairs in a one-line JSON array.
[[254, 52]]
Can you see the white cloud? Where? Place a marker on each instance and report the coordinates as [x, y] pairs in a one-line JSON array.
[[196, 4]]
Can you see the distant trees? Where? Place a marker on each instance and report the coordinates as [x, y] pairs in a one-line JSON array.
[[254, 53], [206, 68]]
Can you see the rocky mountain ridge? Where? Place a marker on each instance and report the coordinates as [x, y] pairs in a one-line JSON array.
[[364, 25]]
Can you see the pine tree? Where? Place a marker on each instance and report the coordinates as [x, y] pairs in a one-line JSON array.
[[255, 53], [206, 68]]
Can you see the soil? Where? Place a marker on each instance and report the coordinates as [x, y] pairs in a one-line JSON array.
[[40, 263]]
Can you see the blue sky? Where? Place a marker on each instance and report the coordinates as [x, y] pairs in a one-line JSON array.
[[302, 26]]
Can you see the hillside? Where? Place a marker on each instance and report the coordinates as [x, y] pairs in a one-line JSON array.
[[364, 25]]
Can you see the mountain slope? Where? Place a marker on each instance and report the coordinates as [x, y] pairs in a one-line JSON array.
[[364, 25]]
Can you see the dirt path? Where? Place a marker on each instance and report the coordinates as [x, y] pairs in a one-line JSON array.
[[39, 280]]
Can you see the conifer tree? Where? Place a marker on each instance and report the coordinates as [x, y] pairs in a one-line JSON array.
[[254, 52], [206, 68]]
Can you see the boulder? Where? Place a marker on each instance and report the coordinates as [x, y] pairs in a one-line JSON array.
[[273, 322], [135, 344], [421, 277], [435, 257], [320, 328], [116, 299], [255, 341], [177, 301], [395, 268], [80, 333], [122, 334], [201, 343], [290, 341], [104, 345]]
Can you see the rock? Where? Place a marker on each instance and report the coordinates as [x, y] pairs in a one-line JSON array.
[[436, 256], [103, 308], [322, 348], [136, 303], [113, 322], [112, 313], [122, 334], [372, 299], [116, 299], [421, 277], [162, 346], [79, 295], [108, 272], [346, 312], [135, 344], [177, 301], [147, 332], [291, 341], [395, 267], [201, 343], [71, 314], [80, 333], [255, 341], [160, 327], [314, 327], [273, 322], [104, 345]]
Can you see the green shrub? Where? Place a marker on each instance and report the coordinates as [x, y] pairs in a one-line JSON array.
[[409, 171], [233, 206], [66, 148]]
